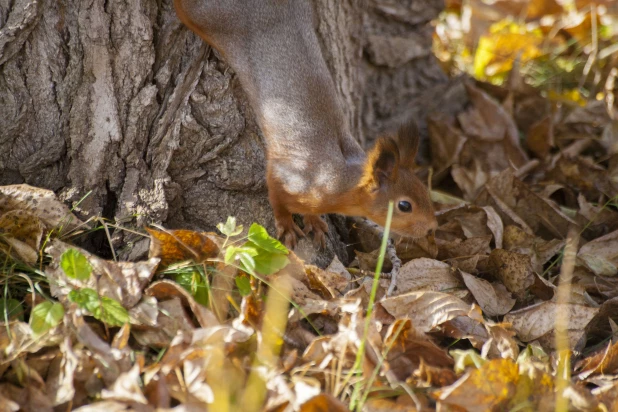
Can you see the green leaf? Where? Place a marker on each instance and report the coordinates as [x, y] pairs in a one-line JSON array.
[[194, 283], [230, 254], [75, 265], [12, 309], [243, 282], [229, 228], [259, 236], [464, 358], [245, 254], [268, 263], [45, 316], [103, 308], [85, 298], [247, 262], [113, 313]]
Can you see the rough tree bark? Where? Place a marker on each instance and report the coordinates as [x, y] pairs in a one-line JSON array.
[[118, 98]]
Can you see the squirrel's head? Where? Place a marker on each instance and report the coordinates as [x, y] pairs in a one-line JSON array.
[[389, 175]]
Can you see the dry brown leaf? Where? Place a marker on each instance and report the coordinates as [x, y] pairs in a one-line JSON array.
[[323, 403], [330, 285], [165, 289], [107, 406], [426, 309], [42, 203], [481, 332], [197, 369], [300, 293], [495, 124], [599, 220], [503, 344], [433, 376], [601, 255], [311, 307], [474, 246], [494, 223], [22, 230], [426, 274], [145, 312], [110, 362], [7, 405], [171, 319], [493, 298], [488, 388], [126, 388], [581, 175], [446, 142], [408, 248], [540, 137], [407, 348], [29, 398], [603, 362], [517, 204], [60, 378], [386, 405], [467, 221], [16, 338], [470, 179], [537, 320], [468, 264], [179, 245]]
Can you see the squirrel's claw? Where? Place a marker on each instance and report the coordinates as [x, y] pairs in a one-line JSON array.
[[288, 232], [315, 224]]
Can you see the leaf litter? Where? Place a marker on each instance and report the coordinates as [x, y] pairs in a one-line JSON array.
[[234, 321]]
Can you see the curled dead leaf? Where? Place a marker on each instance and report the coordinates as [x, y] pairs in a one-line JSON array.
[[493, 298], [601, 255], [179, 245]]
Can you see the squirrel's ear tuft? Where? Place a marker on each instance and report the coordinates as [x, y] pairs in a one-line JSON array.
[[407, 141], [383, 162]]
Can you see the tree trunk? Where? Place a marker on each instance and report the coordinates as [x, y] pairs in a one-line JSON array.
[[117, 98]]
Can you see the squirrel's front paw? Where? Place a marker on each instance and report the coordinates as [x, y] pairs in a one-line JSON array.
[[315, 224], [288, 232]]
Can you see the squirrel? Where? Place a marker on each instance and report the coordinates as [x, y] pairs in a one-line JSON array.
[[314, 165]]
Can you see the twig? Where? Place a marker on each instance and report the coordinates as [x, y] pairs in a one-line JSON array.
[[526, 168], [366, 273], [396, 262]]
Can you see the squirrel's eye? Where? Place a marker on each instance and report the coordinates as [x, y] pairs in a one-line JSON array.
[[404, 206]]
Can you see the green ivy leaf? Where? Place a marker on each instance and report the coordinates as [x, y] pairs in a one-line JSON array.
[[243, 282], [12, 308], [259, 236], [75, 265], [45, 316], [229, 228], [103, 308]]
